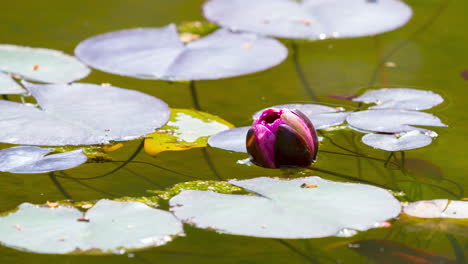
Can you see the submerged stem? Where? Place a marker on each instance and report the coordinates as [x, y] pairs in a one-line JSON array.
[[144, 178], [295, 250], [348, 177], [137, 162], [458, 197], [125, 163], [444, 4], [457, 249], [388, 159], [402, 153], [88, 186], [59, 186], [193, 93], [132, 157], [300, 72], [210, 163]]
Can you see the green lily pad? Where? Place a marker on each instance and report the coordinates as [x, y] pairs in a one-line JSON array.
[[9, 86], [42, 65], [294, 208], [440, 208], [108, 227], [186, 129]]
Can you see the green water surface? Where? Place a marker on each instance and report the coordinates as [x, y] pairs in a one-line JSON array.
[[428, 53]]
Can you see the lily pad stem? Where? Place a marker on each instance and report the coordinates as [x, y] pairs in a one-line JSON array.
[[348, 177], [88, 186], [193, 93], [297, 251], [387, 161], [444, 4], [402, 153], [144, 178], [210, 163], [458, 197], [300, 72], [59, 186], [140, 162], [125, 163], [457, 249]]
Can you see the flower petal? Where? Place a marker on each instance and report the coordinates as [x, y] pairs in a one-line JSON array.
[[257, 156], [302, 124], [291, 148], [264, 140]]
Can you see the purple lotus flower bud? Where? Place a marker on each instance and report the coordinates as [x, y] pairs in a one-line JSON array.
[[282, 138]]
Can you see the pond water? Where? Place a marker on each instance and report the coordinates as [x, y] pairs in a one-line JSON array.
[[428, 53]]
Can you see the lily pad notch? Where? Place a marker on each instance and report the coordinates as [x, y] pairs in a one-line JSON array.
[[159, 53]]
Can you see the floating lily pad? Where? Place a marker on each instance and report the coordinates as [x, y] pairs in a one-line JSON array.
[[158, 53], [42, 65], [9, 86], [232, 139], [108, 227], [441, 208], [34, 160], [392, 121], [321, 116], [297, 208], [80, 114], [400, 98], [411, 140], [309, 19], [186, 129]]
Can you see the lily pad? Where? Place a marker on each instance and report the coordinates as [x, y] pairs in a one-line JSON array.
[[108, 227], [42, 65], [158, 53], [296, 208], [411, 140], [400, 98], [320, 115], [34, 160], [309, 19], [9, 86], [80, 114], [233, 139], [441, 208], [392, 121], [186, 129]]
